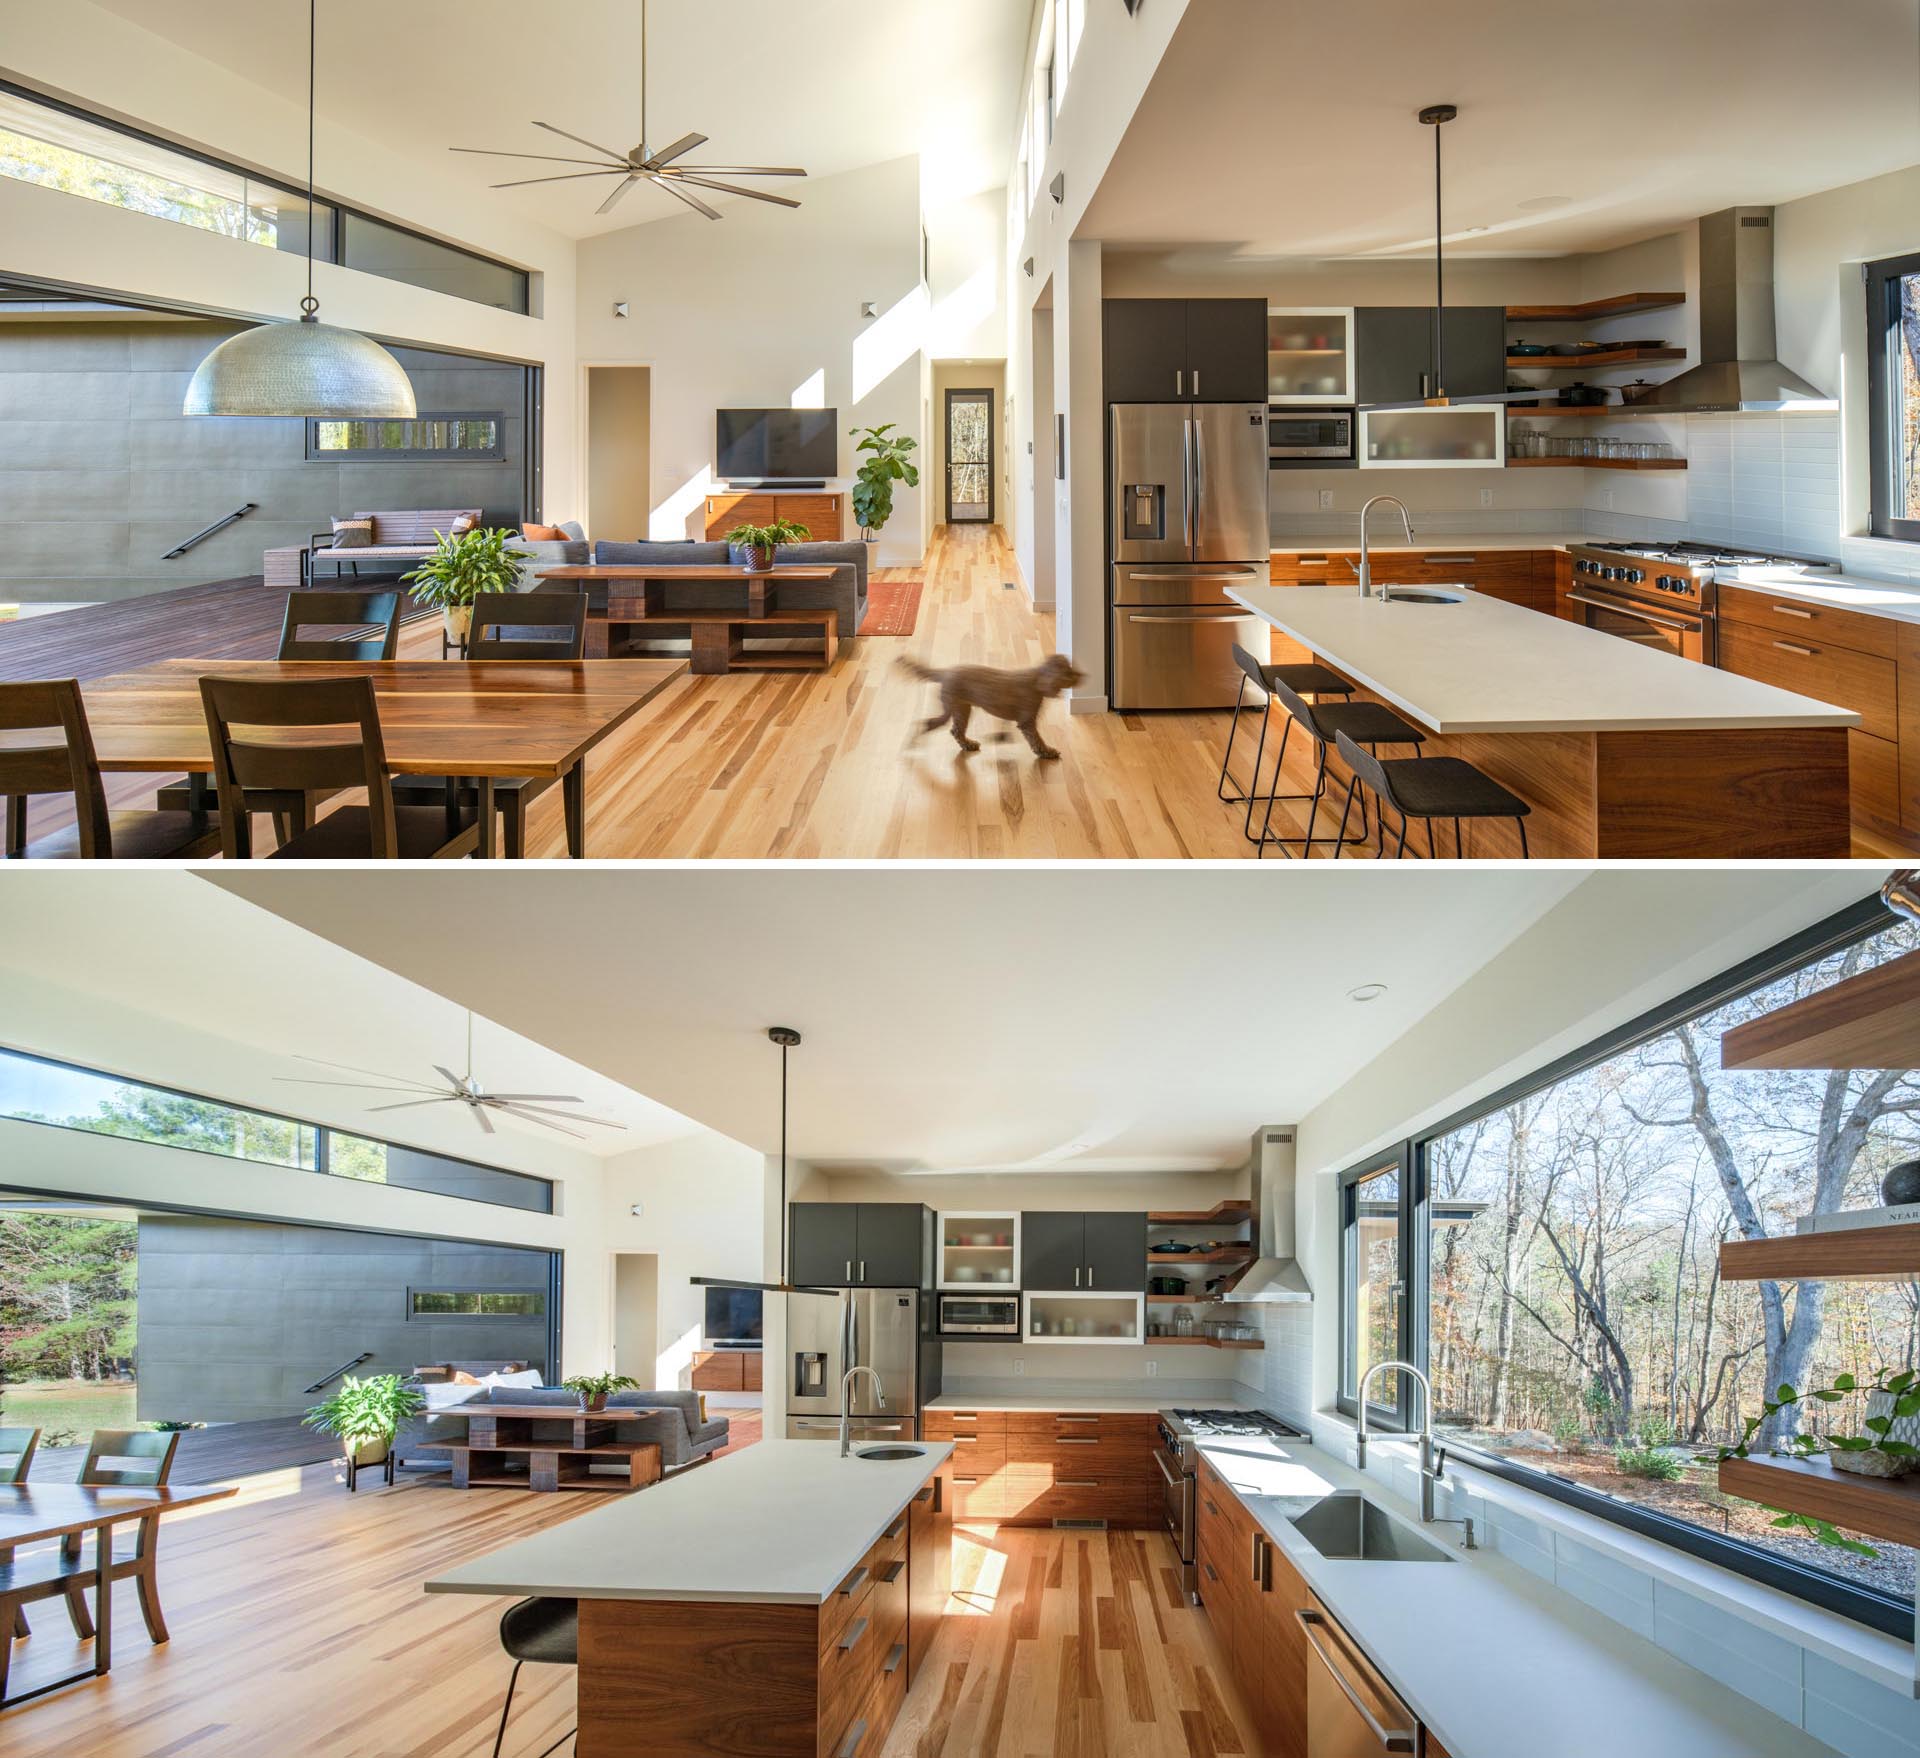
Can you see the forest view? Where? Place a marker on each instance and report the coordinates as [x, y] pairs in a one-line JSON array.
[[1578, 1321]]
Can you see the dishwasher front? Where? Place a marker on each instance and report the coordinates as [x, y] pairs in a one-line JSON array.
[[1352, 1712]]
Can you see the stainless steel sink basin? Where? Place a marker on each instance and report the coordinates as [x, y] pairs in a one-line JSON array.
[[891, 1453], [1348, 1528], [1421, 596]]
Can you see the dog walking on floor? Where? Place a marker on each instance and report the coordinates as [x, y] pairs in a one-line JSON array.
[[1007, 695]]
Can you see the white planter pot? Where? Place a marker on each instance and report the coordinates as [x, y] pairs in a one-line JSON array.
[[459, 620]]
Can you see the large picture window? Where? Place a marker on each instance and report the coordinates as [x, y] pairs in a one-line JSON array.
[[1893, 396], [1560, 1254]]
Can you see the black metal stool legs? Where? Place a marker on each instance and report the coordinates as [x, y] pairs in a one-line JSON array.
[[1267, 837], [506, 1708]]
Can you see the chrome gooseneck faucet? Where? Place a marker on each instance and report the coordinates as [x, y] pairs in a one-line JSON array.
[[846, 1403], [1366, 566], [1433, 1467]]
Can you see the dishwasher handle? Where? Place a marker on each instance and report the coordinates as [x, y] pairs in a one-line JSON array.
[[1314, 1624]]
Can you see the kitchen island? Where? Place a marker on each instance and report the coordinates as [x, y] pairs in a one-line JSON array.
[[1622, 753], [766, 1605]]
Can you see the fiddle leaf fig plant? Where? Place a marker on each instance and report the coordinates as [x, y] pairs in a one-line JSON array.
[[888, 460]]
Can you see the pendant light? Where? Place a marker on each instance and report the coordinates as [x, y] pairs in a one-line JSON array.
[[306, 369], [787, 1038]]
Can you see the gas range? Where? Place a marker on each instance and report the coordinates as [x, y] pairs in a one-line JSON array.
[[1180, 1430], [1681, 571]]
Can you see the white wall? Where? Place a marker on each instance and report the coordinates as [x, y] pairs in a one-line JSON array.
[[762, 309]]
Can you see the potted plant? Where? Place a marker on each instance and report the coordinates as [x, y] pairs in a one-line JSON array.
[[461, 569], [366, 1414], [758, 542], [594, 1388], [886, 463]]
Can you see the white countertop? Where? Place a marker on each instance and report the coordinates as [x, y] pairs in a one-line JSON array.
[[1484, 666], [1495, 1661], [1446, 544], [1116, 1404], [1875, 598], [782, 1522]]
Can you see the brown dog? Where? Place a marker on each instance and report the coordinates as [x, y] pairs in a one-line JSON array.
[[1007, 695]]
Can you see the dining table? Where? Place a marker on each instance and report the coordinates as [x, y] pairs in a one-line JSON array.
[[35, 1513], [483, 720]]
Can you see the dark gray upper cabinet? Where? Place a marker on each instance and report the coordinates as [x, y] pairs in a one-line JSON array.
[[1065, 1250], [1393, 351], [862, 1245], [1185, 350]]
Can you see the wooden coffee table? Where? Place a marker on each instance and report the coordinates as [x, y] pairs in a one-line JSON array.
[[559, 1445], [717, 635]]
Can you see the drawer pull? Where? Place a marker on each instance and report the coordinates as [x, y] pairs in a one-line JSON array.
[[1794, 647], [925, 1493], [966, 1440], [965, 1416], [1063, 1416], [1074, 1440], [851, 1639], [1312, 561], [1076, 1483], [851, 1585], [1256, 1556], [898, 1527], [1793, 610], [966, 1480], [1212, 1573], [1211, 1509], [1434, 561], [892, 1663], [851, 1744], [894, 1572]]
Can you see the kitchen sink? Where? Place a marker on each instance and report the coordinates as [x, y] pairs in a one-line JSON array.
[[891, 1453], [1421, 596], [1346, 1527]]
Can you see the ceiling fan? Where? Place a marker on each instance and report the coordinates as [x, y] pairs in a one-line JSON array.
[[460, 1089], [658, 168]]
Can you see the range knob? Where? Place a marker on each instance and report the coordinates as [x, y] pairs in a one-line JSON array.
[[1609, 573], [1633, 575]]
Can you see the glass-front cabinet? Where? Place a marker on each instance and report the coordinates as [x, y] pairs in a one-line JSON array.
[[1471, 436], [1309, 354], [1084, 1318], [979, 1248]]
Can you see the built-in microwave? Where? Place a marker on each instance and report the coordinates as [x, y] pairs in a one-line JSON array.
[[980, 1315], [1316, 436]]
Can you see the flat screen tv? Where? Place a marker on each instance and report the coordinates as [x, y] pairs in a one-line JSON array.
[[733, 1317], [776, 445]]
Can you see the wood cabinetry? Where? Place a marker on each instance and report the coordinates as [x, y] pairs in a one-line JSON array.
[[1084, 1249], [822, 514], [1030, 1468], [861, 1245], [929, 1574], [726, 1370], [1185, 350], [1517, 576]]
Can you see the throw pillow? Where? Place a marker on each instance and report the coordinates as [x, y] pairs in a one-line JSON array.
[[527, 1378], [464, 523], [544, 533], [460, 1378], [352, 533], [446, 1397]]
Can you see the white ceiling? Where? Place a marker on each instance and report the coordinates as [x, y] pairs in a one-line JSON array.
[[1079, 1020], [831, 85], [167, 946], [1288, 127]]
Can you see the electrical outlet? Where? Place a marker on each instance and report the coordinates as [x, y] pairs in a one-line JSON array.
[[1019, 1366], [1486, 497], [1606, 500], [1153, 1367], [1326, 500]]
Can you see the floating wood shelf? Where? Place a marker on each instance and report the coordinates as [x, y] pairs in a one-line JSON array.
[[1857, 1254], [1544, 411], [1182, 1300], [1871, 1020], [1596, 463], [1226, 1213], [1620, 305], [1881, 1507], [1604, 357], [1204, 1342], [1227, 1254]]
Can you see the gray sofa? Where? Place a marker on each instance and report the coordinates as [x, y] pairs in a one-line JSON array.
[[846, 592], [575, 552]]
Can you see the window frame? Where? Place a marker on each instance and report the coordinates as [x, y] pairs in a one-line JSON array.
[[1833, 934], [493, 454], [1881, 280], [1394, 1416], [414, 1316]]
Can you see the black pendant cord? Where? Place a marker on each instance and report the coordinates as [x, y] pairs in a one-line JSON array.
[[786, 1268], [644, 155], [1439, 275], [309, 306]]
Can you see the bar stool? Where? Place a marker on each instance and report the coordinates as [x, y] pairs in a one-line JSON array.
[[1308, 679], [1429, 788], [543, 1630], [1364, 723]]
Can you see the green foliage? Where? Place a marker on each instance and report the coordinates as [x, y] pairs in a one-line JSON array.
[[66, 1296], [1650, 1462], [467, 567], [595, 1386], [366, 1410], [768, 537], [1568, 1432], [887, 462]]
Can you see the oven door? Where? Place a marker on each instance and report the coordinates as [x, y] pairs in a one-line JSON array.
[[1177, 1499], [1682, 633], [980, 1315]]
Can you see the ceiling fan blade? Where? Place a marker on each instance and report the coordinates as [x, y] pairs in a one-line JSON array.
[[672, 184], [576, 1116], [736, 189], [505, 153], [679, 150], [410, 1104], [745, 170], [358, 1086], [524, 1098], [563, 177], [479, 1115], [619, 189], [557, 1128], [613, 153], [453, 1080], [351, 1068]]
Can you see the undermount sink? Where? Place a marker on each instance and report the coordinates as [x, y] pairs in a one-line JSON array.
[[891, 1453], [1346, 1527], [1423, 595]]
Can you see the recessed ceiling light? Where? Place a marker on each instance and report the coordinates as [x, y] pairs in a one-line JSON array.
[[1367, 992]]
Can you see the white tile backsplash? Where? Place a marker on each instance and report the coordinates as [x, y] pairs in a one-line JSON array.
[[1855, 1716], [1279, 1377], [1605, 1583], [1756, 1663]]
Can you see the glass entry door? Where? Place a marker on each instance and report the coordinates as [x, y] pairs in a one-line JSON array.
[[970, 457]]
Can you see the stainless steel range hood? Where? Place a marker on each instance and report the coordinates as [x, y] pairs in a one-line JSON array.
[[1273, 1277], [1739, 370]]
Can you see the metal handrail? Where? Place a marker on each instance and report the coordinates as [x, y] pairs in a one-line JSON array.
[[218, 525], [326, 1380]]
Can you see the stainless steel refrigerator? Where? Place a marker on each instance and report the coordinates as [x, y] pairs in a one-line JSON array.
[[890, 1330], [1189, 520]]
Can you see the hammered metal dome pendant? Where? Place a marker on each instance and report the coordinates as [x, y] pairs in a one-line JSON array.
[[309, 369]]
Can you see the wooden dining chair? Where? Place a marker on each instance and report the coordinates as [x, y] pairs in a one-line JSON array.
[[364, 625], [124, 1458], [16, 1460], [237, 708], [509, 625], [62, 761]]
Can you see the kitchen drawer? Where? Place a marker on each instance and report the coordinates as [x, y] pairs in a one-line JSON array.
[[1809, 667], [849, 1671], [1008, 1494], [977, 1455], [1310, 567], [890, 1690], [1025, 1427], [1873, 777], [887, 1606], [1116, 1456], [1813, 625], [944, 1425], [844, 1604], [890, 1547]]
